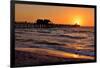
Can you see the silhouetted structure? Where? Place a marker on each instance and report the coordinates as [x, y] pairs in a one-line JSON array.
[[41, 23]]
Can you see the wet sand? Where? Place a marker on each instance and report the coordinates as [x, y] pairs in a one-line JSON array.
[[39, 56]]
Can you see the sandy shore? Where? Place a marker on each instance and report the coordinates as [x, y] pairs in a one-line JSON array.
[[39, 56]]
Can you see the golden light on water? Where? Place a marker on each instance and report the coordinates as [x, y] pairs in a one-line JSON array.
[[55, 53]]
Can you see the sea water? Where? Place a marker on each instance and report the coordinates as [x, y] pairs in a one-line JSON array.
[[77, 40]]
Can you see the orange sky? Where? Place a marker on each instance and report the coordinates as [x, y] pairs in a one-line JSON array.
[[57, 14]]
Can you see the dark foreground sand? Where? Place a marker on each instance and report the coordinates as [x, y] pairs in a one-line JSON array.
[[40, 56]]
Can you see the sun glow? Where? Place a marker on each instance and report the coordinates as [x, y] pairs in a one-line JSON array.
[[58, 15], [77, 20], [78, 23]]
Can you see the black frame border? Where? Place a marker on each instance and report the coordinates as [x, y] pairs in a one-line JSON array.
[[12, 33]]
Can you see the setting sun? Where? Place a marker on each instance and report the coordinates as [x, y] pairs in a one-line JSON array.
[[78, 23], [51, 33], [77, 20], [58, 15]]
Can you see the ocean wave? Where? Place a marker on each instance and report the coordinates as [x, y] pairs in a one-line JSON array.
[[73, 37], [58, 39], [49, 42], [24, 40]]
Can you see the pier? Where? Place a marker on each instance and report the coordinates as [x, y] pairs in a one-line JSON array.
[[42, 23]]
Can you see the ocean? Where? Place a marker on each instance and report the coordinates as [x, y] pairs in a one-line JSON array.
[[77, 40]]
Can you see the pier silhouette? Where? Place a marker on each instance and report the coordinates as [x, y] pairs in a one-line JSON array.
[[42, 23]]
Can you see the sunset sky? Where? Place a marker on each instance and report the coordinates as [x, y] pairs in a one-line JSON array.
[[57, 14]]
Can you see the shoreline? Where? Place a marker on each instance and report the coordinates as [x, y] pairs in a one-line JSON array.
[[38, 56]]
